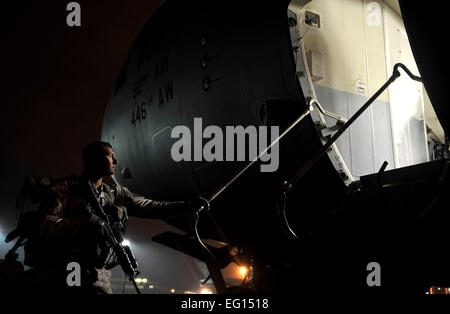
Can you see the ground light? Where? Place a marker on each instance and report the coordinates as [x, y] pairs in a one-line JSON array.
[[243, 271]]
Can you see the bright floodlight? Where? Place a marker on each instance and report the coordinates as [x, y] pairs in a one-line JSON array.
[[126, 243]]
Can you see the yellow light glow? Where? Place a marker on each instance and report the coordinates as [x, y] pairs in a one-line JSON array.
[[141, 280], [243, 271], [205, 291], [172, 291]]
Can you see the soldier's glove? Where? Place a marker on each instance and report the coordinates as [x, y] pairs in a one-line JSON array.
[[94, 224], [116, 213], [198, 205], [97, 227]]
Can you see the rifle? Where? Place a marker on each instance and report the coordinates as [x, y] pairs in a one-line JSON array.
[[126, 258]]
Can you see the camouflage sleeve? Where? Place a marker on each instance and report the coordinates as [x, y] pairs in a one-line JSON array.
[[140, 206], [53, 224]]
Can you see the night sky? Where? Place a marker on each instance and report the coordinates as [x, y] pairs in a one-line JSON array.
[[55, 85]]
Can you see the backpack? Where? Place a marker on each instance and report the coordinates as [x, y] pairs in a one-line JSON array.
[[33, 190]]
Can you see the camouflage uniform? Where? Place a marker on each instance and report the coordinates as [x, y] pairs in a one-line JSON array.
[[66, 237]]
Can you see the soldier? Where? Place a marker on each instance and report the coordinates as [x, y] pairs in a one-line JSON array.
[[72, 231]]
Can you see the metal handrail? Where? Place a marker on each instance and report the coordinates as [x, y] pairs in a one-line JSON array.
[[287, 185]]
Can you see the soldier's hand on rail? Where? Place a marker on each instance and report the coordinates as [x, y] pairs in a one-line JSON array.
[[197, 205]]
